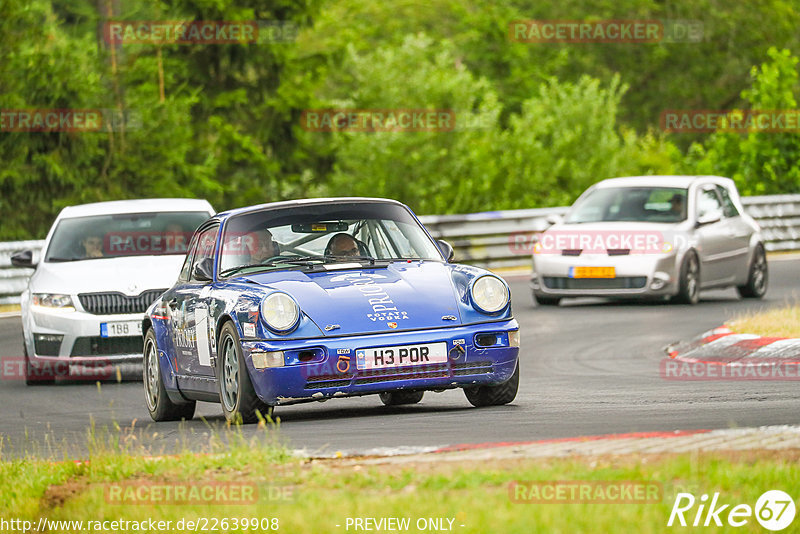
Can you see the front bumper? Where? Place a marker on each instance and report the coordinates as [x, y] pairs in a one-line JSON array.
[[635, 276], [332, 370], [75, 337]]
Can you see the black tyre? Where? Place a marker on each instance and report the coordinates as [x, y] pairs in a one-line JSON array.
[[689, 290], [494, 395], [398, 398], [545, 301], [37, 376], [758, 278], [159, 404], [240, 404]]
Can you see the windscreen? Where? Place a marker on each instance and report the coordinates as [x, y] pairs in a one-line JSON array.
[[129, 234], [279, 238], [637, 204]]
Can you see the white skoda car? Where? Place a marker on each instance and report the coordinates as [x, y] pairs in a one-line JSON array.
[[100, 268]]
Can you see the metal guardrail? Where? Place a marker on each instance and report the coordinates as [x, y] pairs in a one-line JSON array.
[[12, 279], [492, 239], [501, 239]]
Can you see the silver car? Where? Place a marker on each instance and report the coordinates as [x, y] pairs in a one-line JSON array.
[[651, 236], [101, 266]]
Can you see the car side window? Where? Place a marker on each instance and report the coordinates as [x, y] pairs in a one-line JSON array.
[[728, 207], [187, 262], [708, 205], [206, 241]]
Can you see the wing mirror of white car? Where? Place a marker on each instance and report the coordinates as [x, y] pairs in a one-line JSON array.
[[23, 258], [554, 218], [708, 218], [447, 250], [202, 271]]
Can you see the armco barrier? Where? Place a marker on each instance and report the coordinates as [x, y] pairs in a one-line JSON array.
[[488, 239], [13, 279]]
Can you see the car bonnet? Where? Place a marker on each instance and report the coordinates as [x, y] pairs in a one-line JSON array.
[[401, 296]]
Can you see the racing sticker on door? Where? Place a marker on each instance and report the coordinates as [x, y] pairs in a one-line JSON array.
[[201, 331]]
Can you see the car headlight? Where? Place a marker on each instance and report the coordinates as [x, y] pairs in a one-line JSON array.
[[280, 312], [53, 300], [489, 294]]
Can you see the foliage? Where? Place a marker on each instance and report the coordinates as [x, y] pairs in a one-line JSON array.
[[761, 163], [537, 123]]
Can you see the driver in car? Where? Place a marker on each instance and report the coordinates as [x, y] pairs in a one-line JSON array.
[[92, 246], [676, 205], [262, 246], [342, 245]]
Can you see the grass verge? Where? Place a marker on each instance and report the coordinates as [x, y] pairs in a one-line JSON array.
[[313, 496], [778, 322]]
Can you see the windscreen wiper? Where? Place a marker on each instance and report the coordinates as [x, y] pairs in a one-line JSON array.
[[303, 260], [349, 259], [239, 268], [65, 259]]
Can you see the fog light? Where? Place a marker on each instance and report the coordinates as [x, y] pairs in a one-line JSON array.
[[513, 338], [659, 281], [47, 344], [263, 360], [486, 340]]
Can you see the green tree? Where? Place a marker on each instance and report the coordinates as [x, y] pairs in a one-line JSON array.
[[760, 163], [438, 171]]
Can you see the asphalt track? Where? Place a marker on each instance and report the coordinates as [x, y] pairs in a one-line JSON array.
[[588, 367]]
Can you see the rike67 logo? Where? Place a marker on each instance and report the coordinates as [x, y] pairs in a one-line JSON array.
[[774, 510]]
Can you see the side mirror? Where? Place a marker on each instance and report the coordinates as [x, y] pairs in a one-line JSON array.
[[554, 218], [202, 271], [447, 250], [23, 258], [708, 218]]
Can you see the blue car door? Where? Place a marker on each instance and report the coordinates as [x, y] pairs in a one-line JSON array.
[[194, 332]]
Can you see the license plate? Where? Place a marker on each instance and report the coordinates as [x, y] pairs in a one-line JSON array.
[[121, 328], [592, 272], [402, 356]]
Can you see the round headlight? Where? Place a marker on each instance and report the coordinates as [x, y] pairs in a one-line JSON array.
[[280, 312], [489, 294]]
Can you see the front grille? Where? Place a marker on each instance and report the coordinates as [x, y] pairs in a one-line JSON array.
[[473, 368], [621, 282], [107, 346], [618, 251], [117, 303], [438, 370], [571, 252]]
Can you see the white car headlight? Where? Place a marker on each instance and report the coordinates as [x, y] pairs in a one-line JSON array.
[[53, 300], [280, 312], [489, 294]]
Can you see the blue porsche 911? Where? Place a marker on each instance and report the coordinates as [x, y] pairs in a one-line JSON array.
[[314, 299]]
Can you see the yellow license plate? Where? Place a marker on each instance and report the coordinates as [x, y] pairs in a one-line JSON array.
[[592, 272]]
